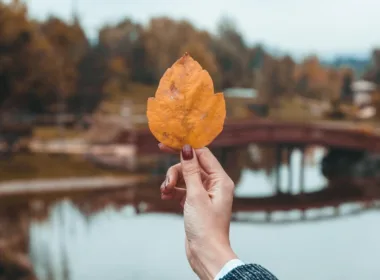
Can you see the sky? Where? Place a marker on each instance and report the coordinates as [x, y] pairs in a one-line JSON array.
[[299, 27]]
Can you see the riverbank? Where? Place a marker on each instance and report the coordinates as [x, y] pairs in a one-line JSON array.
[[125, 246], [31, 166]]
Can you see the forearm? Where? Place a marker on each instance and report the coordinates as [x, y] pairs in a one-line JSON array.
[[209, 261]]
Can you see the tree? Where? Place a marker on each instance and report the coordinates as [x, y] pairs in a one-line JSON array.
[[312, 79], [232, 56], [125, 41], [346, 90], [166, 40], [117, 74], [28, 73], [70, 45], [92, 77], [373, 73]]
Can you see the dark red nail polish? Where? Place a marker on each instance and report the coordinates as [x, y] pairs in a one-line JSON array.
[[187, 152]]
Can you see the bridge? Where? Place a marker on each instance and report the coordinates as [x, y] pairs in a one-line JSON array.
[[263, 131], [283, 136]]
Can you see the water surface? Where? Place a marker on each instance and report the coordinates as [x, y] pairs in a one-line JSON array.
[[120, 245]]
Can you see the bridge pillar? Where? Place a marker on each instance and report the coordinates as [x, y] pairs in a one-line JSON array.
[[268, 215], [280, 149], [302, 171], [290, 169], [278, 169], [302, 179], [337, 210]]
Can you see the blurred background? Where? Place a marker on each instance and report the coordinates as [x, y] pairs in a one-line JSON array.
[[80, 171]]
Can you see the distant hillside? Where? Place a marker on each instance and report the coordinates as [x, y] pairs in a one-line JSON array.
[[360, 62], [360, 65]]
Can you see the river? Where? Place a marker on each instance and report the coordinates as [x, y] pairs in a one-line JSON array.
[[120, 245]]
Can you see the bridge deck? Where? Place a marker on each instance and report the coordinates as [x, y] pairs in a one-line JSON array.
[[264, 131]]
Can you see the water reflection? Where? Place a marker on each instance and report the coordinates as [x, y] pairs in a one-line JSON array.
[[259, 184], [120, 245]]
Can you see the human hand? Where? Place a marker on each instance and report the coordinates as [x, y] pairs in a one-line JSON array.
[[205, 191]]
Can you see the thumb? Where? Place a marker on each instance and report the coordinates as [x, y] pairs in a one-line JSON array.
[[191, 172]]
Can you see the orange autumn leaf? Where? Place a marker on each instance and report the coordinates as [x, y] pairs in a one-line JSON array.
[[185, 109]]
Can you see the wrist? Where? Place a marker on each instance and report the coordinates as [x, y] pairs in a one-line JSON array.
[[211, 259]]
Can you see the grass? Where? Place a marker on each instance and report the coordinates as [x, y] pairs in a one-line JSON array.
[[292, 109], [52, 132], [137, 93], [37, 166]]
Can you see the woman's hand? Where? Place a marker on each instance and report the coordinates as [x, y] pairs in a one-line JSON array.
[[205, 191]]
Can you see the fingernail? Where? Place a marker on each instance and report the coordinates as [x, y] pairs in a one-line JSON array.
[[187, 152], [167, 181]]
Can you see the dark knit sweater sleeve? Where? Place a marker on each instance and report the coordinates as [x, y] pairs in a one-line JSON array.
[[249, 272]]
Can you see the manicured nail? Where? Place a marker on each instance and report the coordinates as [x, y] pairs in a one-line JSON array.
[[187, 152]]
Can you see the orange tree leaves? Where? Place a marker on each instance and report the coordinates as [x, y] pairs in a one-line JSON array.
[[185, 109]]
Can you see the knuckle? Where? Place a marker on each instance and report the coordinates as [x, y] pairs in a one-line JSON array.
[[191, 170], [172, 169]]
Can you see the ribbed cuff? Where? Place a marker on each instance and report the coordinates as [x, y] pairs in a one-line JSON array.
[[230, 265], [249, 272]]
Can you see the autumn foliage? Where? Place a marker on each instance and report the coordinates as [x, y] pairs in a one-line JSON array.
[[44, 64], [185, 109]]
